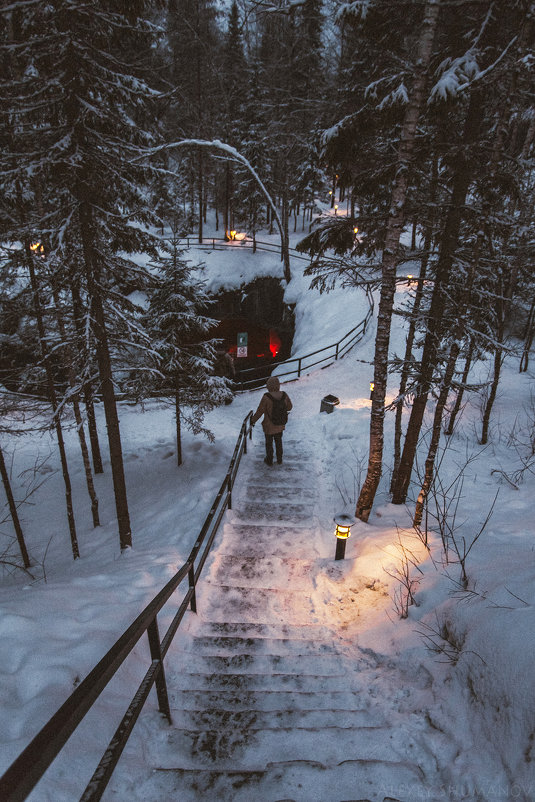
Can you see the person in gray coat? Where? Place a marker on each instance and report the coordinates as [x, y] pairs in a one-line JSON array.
[[272, 429]]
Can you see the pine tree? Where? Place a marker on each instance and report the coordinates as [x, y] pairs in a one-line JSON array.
[[182, 367]]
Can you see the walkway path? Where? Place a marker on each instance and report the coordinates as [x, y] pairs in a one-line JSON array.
[[268, 703]]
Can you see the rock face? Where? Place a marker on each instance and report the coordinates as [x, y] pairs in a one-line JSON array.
[[268, 702]]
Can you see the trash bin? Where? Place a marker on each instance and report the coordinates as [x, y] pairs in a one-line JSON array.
[[328, 403]]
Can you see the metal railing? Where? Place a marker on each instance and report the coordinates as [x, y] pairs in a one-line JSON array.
[[26, 771], [215, 244], [252, 378]]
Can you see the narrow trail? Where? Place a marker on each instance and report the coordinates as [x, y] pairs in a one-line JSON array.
[[269, 702]]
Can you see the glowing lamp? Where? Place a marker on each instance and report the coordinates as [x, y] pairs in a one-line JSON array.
[[239, 236], [335, 208], [410, 278], [38, 248], [343, 522], [372, 388], [356, 230]]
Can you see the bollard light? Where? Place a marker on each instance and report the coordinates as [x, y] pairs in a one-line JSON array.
[[343, 522], [372, 387]]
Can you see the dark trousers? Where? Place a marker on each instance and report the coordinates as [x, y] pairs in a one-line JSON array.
[[269, 446]]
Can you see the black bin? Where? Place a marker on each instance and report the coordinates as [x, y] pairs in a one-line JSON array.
[[328, 403]]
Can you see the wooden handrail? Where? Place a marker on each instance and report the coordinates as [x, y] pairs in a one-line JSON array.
[[26, 771]]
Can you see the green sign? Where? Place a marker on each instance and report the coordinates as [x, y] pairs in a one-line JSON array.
[[242, 339]]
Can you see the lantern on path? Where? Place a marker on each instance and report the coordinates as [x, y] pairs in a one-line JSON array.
[[343, 522]]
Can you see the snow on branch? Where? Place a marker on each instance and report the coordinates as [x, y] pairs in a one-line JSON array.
[[216, 144]]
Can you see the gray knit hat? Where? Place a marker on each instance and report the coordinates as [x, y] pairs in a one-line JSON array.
[[273, 384]]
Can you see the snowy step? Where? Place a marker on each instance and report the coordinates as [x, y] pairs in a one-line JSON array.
[[248, 629], [265, 664], [273, 511], [221, 720], [256, 681], [232, 603], [269, 700], [267, 540], [266, 572], [250, 748], [273, 493], [301, 781], [227, 645]]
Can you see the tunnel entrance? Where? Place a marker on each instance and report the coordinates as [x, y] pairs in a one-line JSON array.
[[256, 327]]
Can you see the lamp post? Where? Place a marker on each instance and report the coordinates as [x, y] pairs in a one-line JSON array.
[[343, 522], [372, 387]]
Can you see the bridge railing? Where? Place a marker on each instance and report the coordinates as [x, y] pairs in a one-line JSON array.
[[26, 771]]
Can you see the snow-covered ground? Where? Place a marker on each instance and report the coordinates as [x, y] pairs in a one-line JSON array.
[[56, 626]]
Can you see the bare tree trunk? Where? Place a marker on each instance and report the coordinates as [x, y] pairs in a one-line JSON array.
[[395, 224], [178, 426], [412, 329], [69, 362], [106, 380], [13, 511], [200, 183], [53, 401], [505, 295], [77, 307], [435, 434], [460, 392], [285, 244], [528, 338], [434, 323]]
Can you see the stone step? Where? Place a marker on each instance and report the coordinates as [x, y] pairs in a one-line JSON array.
[[279, 681], [320, 665], [265, 701], [229, 720], [249, 748], [264, 572], [294, 781]]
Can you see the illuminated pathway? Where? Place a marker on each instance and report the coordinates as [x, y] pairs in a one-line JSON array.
[[268, 703]]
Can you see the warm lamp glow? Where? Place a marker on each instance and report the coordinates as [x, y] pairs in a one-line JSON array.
[[36, 247], [343, 522], [372, 387], [355, 230]]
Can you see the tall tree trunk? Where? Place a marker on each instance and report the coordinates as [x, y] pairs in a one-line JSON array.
[[177, 424], [78, 315], [435, 434], [428, 238], [106, 379], [528, 338], [53, 400], [200, 182], [504, 301], [13, 511], [460, 391], [394, 228], [450, 236], [69, 362], [285, 244]]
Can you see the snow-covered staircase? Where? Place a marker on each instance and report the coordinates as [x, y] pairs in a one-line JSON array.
[[268, 703]]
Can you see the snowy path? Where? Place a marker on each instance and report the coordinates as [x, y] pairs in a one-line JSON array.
[[268, 702]]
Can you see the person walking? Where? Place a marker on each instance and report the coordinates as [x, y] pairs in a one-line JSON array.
[[274, 406]]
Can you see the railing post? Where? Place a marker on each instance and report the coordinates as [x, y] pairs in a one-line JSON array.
[[229, 477], [299, 368], [244, 435], [336, 352], [191, 576], [156, 654]]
